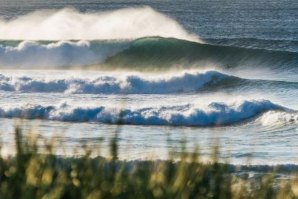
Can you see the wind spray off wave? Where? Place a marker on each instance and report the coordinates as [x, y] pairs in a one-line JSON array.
[[70, 24]]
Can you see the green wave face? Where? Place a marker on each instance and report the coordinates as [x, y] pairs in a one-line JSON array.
[[163, 53], [151, 53]]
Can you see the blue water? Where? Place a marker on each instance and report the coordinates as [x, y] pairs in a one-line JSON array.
[[207, 72]]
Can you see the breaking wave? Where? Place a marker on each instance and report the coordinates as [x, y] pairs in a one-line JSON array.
[[187, 82], [156, 52], [139, 83], [141, 54], [272, 118], [30, 54], [124, 84], [215, 114]]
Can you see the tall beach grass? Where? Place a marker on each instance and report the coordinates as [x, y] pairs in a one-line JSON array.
[[32, 173]]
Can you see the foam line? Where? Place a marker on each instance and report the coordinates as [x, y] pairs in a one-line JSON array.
[[125, 84], [216, 114]]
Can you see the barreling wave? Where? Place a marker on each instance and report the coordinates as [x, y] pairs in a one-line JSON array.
[[216, 114], [168, 52], [187, 82], [141, 54]]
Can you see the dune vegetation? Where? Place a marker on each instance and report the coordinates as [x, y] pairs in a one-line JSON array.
[[31, 173]]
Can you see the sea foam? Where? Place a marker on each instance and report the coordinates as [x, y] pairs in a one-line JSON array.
[[123, 84], [215, 114], [30, 54]]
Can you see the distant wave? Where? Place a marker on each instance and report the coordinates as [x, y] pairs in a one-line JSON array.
[[288, 45], [187, 82], [152, 53], [216, 114]]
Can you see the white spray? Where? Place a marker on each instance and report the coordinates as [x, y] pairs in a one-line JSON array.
[[66, 24]]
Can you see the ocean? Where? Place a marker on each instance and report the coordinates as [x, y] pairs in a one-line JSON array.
[[161, 73]]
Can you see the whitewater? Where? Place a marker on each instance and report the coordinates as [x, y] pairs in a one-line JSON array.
[[78, 74]]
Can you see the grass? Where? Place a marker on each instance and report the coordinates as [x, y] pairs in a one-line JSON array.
[[32, 174]]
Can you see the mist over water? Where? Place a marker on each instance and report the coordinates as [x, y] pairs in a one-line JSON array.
[[70, 24]]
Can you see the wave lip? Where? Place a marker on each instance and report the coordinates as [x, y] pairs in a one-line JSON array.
[[129, 84], [156, 53], [216, 114]]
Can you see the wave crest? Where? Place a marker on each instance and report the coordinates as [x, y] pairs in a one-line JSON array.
[[272, 118], [152, 53], [32, 54], [216, 114], [130, 84], [156, 52], [67, 24]]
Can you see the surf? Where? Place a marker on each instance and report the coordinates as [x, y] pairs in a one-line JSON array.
[[144, 54], [215, 114], [136, 83]]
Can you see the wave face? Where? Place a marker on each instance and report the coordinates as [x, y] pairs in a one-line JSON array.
[[69, 24], [153, 53], [216, 114], [169, 52], [123, 84]]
